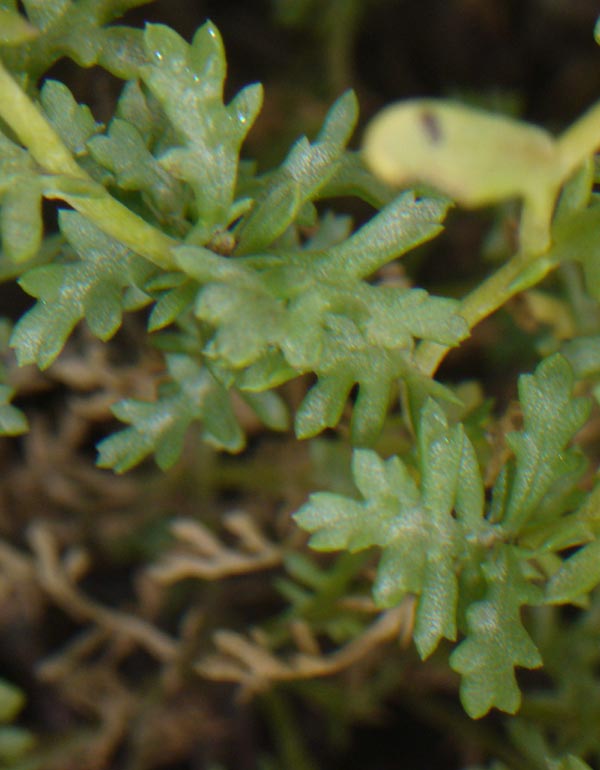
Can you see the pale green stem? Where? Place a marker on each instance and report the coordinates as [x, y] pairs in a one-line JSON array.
[[287, 734], [342, 24], [515, 276], [574, 147], [119, 222], [28, 123], [35, 133], [580, 141]]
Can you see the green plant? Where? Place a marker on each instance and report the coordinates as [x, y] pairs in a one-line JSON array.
[[15, 741], [246, 282]]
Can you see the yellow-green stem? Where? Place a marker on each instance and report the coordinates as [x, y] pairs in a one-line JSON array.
[[519, 273], [28, 123]]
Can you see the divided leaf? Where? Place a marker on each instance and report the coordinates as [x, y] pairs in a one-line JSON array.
[[470, 571], [310, 310], [73, 122], [307, 168], [192, 394], [77, 29], [14, 28], [93, 287], [123, 151], [497, 640], [20, 202], [12, 420], [418, 525], [187, 81], [551, 417]]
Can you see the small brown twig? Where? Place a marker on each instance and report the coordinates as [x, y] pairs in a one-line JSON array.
[[255, 668], [54, 580], [207, 558]]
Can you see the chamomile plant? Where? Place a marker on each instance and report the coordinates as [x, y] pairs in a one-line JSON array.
[[248, 281]]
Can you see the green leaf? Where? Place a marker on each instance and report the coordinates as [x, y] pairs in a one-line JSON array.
[[14, 29], [15, 742], [123, 151], [73, 122], [12, 421], [21, 219], [270, 408], [583, 353], [551, 417], [15, 162], [172, 304], [140, 109], [12, 701], [20, 202], [313, 307], [351, 177], [92, 287], [402, 225], [43, 15], [187, 81], [191, 395], [122, 51], [307, 168], [77, 29], [577, 576], [247, 322], [365, 337], [418, 525], [497, 640], [576, 239]]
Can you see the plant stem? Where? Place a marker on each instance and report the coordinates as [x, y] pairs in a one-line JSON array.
[[287, 735], [518, 274], [28, 123], [119, 222], [46, 147], [580, 141]]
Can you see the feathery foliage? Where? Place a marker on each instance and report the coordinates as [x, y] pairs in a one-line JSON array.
[[264, 306]]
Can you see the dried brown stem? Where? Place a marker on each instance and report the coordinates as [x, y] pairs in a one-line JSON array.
[[55, 582], [207, 558], [254, 667]]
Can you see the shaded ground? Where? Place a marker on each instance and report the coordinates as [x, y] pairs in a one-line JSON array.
[[79, 541]]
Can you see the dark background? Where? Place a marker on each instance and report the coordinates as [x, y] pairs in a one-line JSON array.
[[533, 58]]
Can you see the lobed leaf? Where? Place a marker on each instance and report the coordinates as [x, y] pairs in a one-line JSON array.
[[77, 29], [12, 421], [497, 640], [123, 151], [73, 122], [159, 428], [551, 417], [20, 202], [311, 310], [187, 81], [307, 168], [93, 287], [577, 576], [418, 526]]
